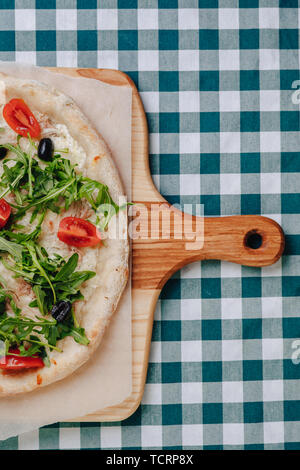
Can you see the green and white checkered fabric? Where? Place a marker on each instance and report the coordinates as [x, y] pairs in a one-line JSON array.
[[216, 79]]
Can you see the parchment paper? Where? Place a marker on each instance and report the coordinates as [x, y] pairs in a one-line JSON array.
[[105, 380]]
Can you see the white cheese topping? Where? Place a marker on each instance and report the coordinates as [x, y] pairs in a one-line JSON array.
[[62, 139], [2, 93]]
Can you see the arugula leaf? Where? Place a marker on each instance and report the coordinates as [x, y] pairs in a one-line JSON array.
[[28, 276], [99, 198], [32, 251], [68, 268], [79, 335], [52, 279], [55, 186], [40, 299], [36, 336], [12, 248]]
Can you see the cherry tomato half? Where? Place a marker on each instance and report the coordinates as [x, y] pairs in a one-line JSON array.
[[20, 362], [5, 211], [78, 232], [19, 117]]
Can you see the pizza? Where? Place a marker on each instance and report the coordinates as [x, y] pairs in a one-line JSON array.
[[63, 263]]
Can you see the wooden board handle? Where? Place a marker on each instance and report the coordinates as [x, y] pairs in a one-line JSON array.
[[249, 240]]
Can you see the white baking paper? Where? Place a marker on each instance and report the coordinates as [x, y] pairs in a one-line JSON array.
[[105, 380]]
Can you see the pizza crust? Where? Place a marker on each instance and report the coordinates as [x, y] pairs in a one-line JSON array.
[[112, 260]]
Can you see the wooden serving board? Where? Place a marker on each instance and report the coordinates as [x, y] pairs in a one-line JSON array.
[[156, 258]]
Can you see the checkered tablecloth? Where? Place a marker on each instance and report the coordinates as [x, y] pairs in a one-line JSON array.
[[216, 78]]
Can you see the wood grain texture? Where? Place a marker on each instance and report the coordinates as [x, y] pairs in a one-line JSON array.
[[156, 259], [222, 238]]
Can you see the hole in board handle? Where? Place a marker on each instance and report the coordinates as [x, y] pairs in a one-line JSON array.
[[253, 240]]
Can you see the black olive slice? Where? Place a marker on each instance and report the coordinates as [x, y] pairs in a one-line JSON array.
[[3, 152], [61, 310], [46, 149]]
